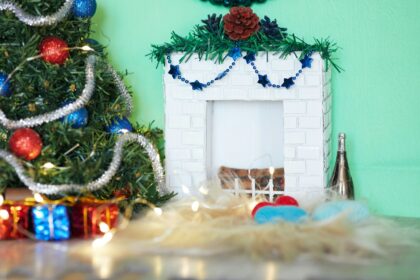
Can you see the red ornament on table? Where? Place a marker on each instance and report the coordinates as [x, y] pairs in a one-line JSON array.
[[14, 219], [54, 50], [25, 143], [261, 205], [286, 200]]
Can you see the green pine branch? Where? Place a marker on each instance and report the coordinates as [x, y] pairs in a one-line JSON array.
[[214, 46]]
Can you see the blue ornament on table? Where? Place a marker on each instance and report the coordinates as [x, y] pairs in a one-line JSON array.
[[51, 222], [354, 211], [84, 8], [4, 85], [120, 126], [275, 214], [77, 119], [263, 80]]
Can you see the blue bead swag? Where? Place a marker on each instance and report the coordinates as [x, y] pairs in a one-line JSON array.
[[236, 53]]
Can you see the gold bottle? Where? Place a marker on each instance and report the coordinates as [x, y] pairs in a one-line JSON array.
[[341, 183]]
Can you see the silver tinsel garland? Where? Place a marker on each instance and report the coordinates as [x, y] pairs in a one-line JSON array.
[[122, 90], [101, 181], [62, 112], [37, 20], [74, 106]]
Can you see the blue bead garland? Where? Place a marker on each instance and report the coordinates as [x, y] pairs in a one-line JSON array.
[[236, 53]]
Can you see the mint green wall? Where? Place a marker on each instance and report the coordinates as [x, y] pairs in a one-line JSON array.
[[376, 100]]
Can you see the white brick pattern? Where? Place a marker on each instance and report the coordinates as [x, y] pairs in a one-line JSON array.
[[307, 118]]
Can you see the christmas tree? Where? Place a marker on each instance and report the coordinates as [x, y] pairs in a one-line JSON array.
[[63, 110]]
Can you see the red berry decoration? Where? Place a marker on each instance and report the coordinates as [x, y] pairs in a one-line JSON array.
[[286, 200], [54, 50], [26, 143], [241, 23]]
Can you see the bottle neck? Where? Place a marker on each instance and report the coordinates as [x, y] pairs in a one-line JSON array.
[[342, 143]]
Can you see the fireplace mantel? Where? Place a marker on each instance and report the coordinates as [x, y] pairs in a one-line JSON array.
[[306, 122]]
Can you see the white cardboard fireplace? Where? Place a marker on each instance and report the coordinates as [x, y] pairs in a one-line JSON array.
[[291, 127]]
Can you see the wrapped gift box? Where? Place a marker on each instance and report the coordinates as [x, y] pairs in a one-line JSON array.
[[51, 222]]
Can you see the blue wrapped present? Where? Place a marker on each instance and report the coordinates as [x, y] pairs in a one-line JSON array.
[[51, 222]]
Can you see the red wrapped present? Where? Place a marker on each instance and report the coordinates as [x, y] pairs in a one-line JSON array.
[[88, 215], [14, 220]]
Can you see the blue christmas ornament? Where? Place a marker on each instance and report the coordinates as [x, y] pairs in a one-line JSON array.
[[120, 126], [77, 119], [306, 62], [354, 211], [197, 85], [4, 85], [221, 75], [250, 57], [51, 222], [174, 71], [263, 80], [235, 53], [275, 214], [84, 8], [288, 83]]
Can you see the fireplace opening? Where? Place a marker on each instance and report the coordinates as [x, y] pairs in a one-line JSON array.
[[245, 145]]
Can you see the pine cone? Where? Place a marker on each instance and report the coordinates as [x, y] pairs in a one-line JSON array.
[[231, 3], [241, 23], [212, 23], [272, 29]]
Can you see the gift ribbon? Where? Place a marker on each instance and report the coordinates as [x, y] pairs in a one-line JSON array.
[[14, 209], [51, 221], [16, 218], [95, 214]]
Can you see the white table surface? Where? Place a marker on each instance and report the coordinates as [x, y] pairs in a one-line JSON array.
[[40, 260]]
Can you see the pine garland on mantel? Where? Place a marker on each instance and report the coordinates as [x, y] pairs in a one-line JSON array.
[[211, 41]]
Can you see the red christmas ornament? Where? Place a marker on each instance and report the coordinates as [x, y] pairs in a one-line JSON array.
[[26, 143], [286, 200], [54, 50]]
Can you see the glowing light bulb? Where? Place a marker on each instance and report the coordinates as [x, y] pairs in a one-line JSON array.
[[195, 206], [252, 204], [4, 215], [87, 48], [48, 165], [204, 190], [103, 227], [100, 242], [158, 211], [38, 198], [185, 189], [272, 169], [1, 200]]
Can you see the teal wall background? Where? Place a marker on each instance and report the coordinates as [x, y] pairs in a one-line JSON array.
[[376, 99]]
